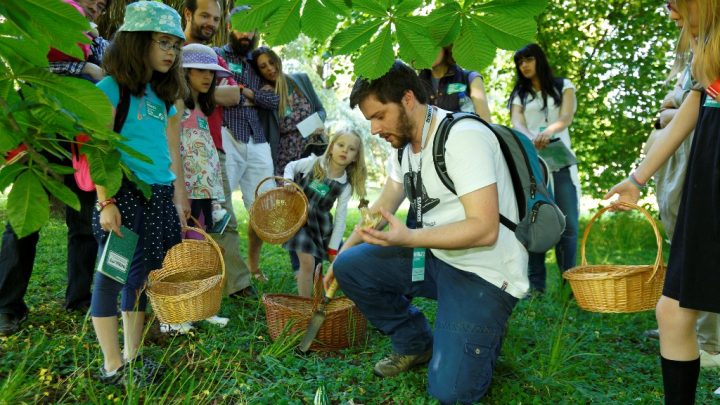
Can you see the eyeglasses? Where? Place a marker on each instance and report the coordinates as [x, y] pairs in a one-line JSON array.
[[167, 45]]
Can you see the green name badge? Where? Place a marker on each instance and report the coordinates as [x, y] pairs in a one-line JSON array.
[[154, 110], [418, 265], [203, 124], [321, 188], [456, 88], [236, 68], [710, 102]]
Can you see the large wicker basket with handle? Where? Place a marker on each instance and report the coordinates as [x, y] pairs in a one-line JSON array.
[[189, 285], [344, 325], [617, 288], [277, 214]]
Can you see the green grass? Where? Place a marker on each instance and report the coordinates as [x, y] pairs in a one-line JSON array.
[[553, 352]]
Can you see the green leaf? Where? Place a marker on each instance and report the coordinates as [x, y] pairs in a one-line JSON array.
[[472, 49], [16, 49], [9, 173], [318, 22], [407, 6], [27, 206], [444, 24], [105, 169], [372, 7], [61, 169], [339, 7], [513, 8], [133, 153], [283, 25], [60, 191], [377, 58], [38, 18], [77, 96], [507, 32], [354, 37], [254, 19], [416, 47]]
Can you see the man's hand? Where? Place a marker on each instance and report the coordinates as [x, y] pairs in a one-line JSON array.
[[397, 235]]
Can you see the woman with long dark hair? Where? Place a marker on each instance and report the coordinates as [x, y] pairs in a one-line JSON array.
[[542, 107]]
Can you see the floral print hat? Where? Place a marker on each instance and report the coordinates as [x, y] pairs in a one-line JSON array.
[[152, 16]]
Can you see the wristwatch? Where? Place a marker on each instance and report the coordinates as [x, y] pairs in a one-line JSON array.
[[100, 205]]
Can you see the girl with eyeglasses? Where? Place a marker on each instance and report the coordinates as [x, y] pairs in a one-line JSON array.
[[143, 68], [692, 274]]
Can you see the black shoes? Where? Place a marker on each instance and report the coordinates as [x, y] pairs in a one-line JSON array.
[[10, 324]]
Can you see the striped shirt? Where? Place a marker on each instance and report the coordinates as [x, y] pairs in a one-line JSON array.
[[243, 120], [74, 68]]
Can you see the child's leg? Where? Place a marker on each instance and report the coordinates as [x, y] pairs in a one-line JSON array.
[[305, 274], [133, 324], [103, 308], [206, 206]]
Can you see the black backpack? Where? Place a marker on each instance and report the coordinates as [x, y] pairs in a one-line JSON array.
[[541, 222]]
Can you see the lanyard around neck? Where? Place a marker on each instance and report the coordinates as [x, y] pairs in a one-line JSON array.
[[423, 139]]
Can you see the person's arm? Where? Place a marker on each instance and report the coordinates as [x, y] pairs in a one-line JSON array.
[[263, 99], [479, 228], [110, 218], [227, 95], [565, 119], [339, 223], [665, 144], [69, 68], [479, 98], [517, 118], [173, 130], [391, 196]]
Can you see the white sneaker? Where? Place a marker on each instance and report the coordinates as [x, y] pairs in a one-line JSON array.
[[218, 214], [217, 320], [708, 360], [176, 328]]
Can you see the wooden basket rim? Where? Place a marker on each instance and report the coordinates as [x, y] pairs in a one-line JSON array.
[[658, 240]]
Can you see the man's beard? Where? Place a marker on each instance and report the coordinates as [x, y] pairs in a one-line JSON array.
[[197, 33], [405, 129], [241, 46]]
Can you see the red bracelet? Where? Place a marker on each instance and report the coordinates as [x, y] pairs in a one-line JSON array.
[[332, 252], [241, 87], [102, 204], [713, 89]]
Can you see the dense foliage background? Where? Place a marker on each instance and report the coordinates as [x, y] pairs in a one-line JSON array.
[[616, 52]]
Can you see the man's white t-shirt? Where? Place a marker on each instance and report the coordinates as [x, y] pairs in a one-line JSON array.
[[474, 160]]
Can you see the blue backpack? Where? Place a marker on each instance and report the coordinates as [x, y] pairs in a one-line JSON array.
[[541, 222]]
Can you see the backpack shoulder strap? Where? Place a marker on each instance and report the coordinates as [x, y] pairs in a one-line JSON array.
[[121, 111], [559, 82], [439, 145]]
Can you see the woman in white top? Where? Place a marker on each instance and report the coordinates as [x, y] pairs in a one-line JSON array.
[[542, 107]]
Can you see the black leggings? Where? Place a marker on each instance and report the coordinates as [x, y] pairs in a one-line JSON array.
[[205, 206]]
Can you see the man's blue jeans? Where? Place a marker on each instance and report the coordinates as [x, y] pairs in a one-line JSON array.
[[471, 318], [566, 249]]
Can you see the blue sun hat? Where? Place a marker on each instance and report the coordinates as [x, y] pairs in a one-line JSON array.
[[198, 56], [152, 16]]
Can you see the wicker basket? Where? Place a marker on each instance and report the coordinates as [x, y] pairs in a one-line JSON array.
[[344, 324], [189, 285], [277, 214], [617, 288]]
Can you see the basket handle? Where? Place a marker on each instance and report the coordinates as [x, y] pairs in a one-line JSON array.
[[210, 240], [658, 237], [282, 179]]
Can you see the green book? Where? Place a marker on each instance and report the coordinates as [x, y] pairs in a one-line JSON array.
[[117, 255]]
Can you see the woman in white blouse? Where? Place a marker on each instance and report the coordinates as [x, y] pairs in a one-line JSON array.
[[542, 107]]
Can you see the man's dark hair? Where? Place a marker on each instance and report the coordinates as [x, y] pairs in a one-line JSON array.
[[390, 87], [192, 5]]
